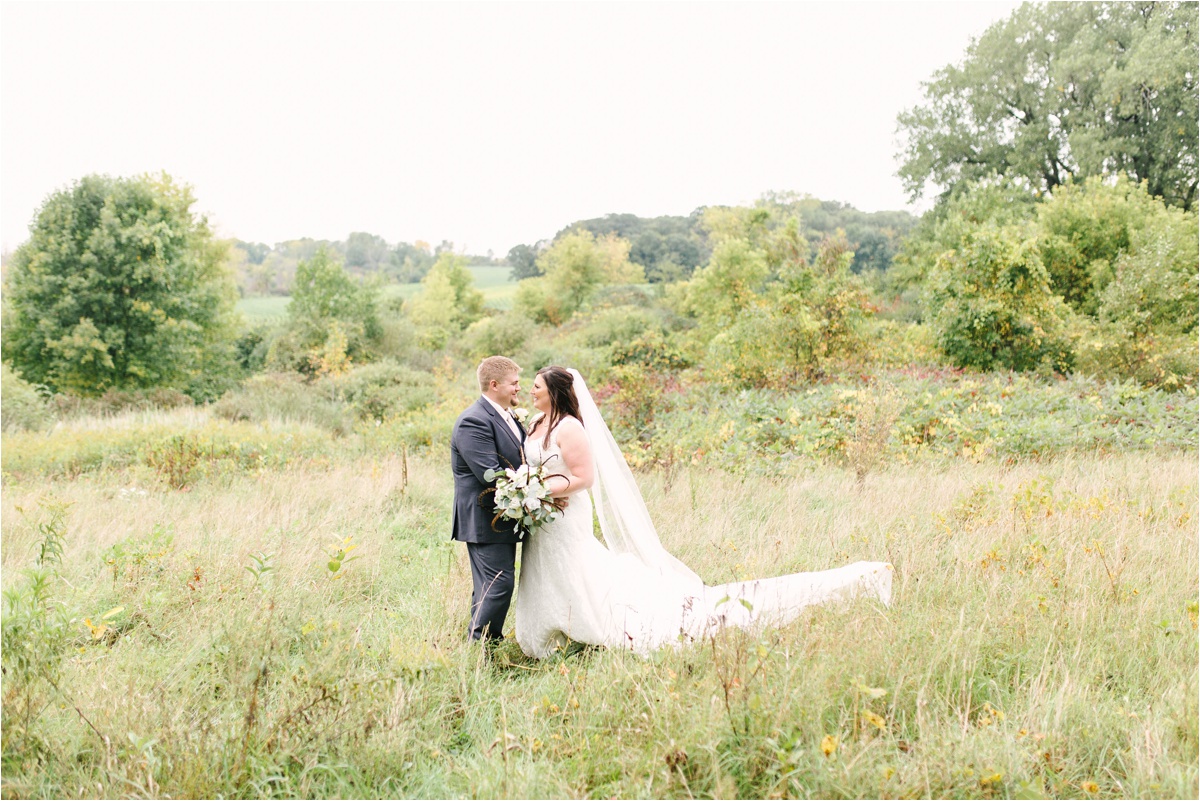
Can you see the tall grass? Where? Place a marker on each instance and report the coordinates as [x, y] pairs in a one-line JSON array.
[[195, 641]]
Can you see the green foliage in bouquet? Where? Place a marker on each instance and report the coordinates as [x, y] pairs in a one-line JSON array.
[[521, 495]]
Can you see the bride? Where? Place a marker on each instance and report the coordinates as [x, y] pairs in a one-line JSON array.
[[632, 594]]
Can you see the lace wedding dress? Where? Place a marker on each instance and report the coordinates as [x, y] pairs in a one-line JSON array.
[[633, 594]]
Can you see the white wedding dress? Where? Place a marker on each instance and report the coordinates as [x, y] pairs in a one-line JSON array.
[[632, 594]]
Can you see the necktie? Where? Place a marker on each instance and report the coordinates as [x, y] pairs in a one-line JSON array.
[[512, 424]]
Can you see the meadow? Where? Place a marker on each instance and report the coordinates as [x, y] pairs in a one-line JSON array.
[[271, 607], [494, 282]]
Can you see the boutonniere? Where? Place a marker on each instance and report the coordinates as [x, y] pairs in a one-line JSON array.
[[519, 414]]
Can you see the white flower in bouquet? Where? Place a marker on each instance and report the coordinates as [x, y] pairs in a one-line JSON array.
[[523, 497]]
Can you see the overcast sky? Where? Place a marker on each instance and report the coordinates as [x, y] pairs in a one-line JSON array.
[[487, 124]]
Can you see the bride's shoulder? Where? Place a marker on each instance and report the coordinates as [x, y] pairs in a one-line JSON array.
[[569, 429]]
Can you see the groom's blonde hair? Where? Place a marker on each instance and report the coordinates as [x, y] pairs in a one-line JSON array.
[[495, 368]]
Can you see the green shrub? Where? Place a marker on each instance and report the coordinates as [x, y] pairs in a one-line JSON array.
[[1084, 228], [653, 351], [252, 345], [992, 306], [116, 401], [503, 334], [23, 407], [899, 344], [1153, 360], [743, 354], [286, 397], [614, 326], [382, 390], [398, 338]]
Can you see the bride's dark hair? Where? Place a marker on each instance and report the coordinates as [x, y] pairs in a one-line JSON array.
[[560, 386]]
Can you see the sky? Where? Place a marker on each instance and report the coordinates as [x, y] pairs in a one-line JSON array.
[[486, 124]]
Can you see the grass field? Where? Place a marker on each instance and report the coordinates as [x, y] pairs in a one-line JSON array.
[[493, 282], [193, 640]]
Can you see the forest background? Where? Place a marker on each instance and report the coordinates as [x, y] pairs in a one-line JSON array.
[[226, 498]]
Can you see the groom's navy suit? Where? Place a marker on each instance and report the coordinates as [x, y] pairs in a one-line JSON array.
[[482, 440]]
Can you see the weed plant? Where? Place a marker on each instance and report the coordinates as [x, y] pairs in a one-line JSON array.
[[199, 642]]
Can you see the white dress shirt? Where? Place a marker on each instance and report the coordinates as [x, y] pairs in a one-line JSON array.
[[508, 418]]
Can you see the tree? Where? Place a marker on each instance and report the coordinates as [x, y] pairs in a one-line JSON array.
[[731, 281], [771, 332], [366, 252], [121, 286], [667, 248], [966, 207], [448, 301], [523, 260], [410, 263], [1062, 90], [993, 307], [332, 318], [572, 269], [1082, 230], [255, 251]]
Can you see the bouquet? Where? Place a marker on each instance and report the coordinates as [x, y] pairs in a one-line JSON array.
[[522, 496]]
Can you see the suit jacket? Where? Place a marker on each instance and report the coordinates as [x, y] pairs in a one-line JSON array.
[[481, 440]]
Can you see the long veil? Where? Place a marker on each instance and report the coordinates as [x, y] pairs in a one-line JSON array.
[[624, 520]]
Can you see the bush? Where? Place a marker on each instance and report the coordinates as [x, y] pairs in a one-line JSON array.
[[24, 406], [1153, 360], [501, 334], [383, 390], [900, 344], [992, 307], [619, 325], [116, 401], [652, 351], [398, 339], [1084, 228], [252, 345], [743, 355], [285, 397]]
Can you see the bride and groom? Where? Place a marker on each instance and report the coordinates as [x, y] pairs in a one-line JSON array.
[[627, 592]]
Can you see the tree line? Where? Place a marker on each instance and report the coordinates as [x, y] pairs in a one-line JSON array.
[[1062, 152]]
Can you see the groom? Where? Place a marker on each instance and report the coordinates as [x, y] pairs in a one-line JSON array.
[[487, 436]]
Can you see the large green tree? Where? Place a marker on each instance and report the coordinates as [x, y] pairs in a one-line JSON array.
[[120, 286], [1065, 90]]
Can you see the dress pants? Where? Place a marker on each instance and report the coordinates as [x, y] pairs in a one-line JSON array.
[[493, 576]]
